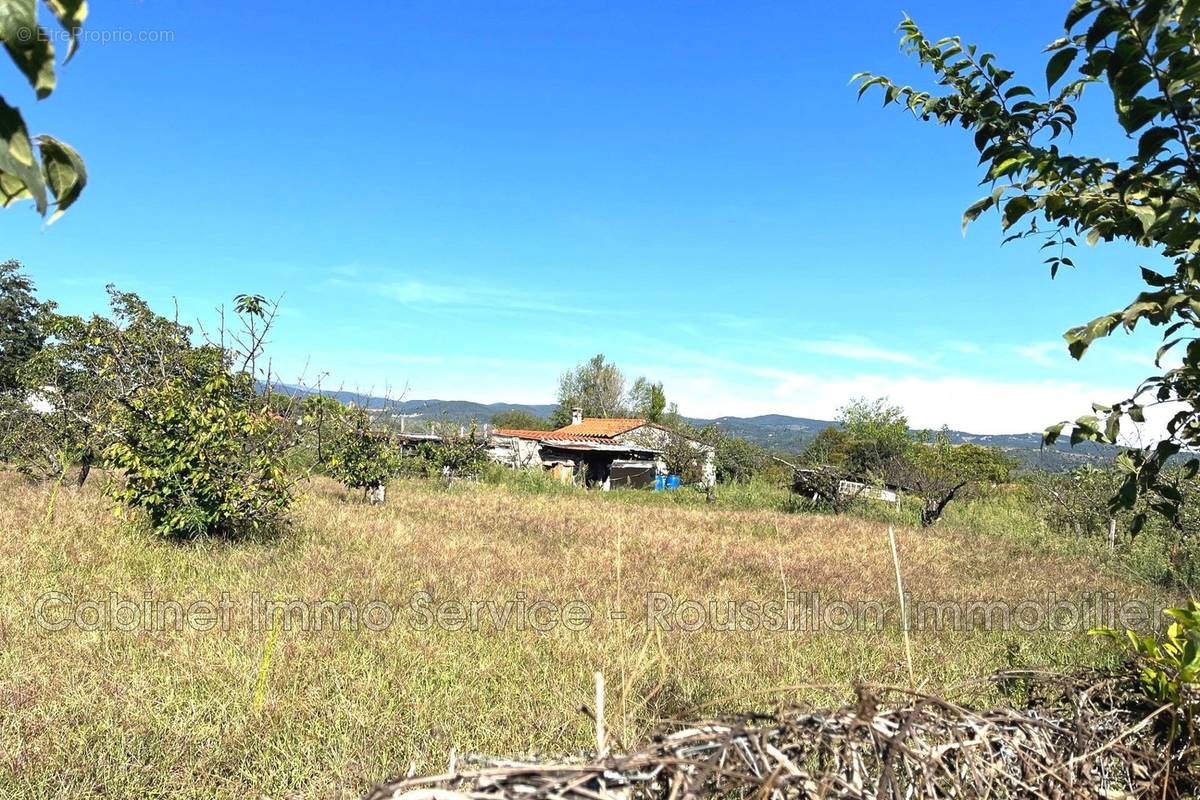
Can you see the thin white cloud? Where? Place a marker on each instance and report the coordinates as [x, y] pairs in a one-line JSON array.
[[476, 296], [857, 350], [1044, 354], [966, 348]]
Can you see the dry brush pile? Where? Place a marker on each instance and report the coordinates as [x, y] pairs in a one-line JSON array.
[[1075, 737]]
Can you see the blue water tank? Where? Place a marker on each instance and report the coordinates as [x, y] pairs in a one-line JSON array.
[[672, 481], [660, 482]]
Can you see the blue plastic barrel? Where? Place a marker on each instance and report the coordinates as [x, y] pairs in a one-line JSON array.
[[672, 481], [660, 482]]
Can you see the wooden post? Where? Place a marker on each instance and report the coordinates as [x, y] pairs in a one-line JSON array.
[[912, 681], [601, 744]]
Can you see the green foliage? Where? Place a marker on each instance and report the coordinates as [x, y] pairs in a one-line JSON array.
[[1075, 502], [877, 435], [456, 455], [1167, 668], [359, 457], [648, 400], [82, 373], [516, 419], [685, 457], [319, 420], [37, 167], [830, 446], [596, 386], [191, 442], [198, 459], [936, 455], [527, 481], [1144, 52], [937, 471], [737, 460], [20, 335]]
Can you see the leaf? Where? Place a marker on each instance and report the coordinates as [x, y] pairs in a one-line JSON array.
[[27, 44], [65, 173], [1154, 279], [1078, 11], [1085, 428], [1151, 142], [1058, 65], [71, 15], [976, 208], [1107, 22], [17, 158], [1051, 434], [1146, 216], [1016, 208], [1137, 112]]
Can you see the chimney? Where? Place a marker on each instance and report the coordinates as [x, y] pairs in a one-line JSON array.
[[576, 415]]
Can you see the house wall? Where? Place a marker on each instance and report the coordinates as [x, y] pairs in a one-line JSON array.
[[515, 452], [656, 438]]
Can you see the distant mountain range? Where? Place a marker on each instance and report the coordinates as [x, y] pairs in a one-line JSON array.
[[778, 432]]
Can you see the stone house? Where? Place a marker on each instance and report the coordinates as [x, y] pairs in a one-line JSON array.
[[599, 452]]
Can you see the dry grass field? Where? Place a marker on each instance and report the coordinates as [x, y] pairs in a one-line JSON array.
[[254, 707]]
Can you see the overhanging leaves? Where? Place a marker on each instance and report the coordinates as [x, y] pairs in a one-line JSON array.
[[17, 159], [64, 171]]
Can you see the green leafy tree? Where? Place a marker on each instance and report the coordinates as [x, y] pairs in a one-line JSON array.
[[84, 370], [938, 471], [192, 444], [597, 386], [1076, 501], [40, 168], [517, 419], [319, 418], [458, 454], [685, 453], [201, 459], [877, 435], [360, 457], [20, 334], [648, 400], [737, 460], [1145, 53], [829, 447]]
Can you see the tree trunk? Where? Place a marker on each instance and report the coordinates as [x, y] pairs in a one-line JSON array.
[[85, 468], [1112, 534], [935, 506]]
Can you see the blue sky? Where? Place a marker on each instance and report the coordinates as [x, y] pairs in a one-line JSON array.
[[466, 198]]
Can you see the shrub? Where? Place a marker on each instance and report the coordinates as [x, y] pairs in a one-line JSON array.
[[361, 458], [1166, 675], [456, 455], [199, 460]]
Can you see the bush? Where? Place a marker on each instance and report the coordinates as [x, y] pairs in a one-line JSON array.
[[528, 481], [197, 460], [456, 455], [359, 457]]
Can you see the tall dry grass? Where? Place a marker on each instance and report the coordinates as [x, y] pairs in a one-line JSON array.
[[260, 710]]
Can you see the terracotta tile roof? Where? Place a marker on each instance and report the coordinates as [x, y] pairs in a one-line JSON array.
[[520, 433], [551, 436], [590, 430], [605, 428]]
